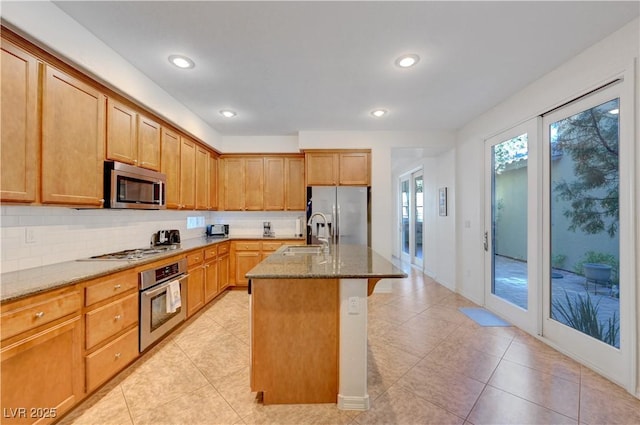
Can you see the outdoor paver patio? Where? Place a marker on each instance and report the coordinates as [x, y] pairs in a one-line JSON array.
[[511, 285]]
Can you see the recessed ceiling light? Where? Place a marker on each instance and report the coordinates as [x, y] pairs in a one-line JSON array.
[[227, 113], [614, 111], [407, 61], [378, 113], [181, 61]]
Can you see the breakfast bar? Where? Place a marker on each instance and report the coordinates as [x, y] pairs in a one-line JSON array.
[[308, 318]]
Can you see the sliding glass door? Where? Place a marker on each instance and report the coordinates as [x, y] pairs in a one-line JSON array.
[[412, 218], [585, 227], [510, 243]]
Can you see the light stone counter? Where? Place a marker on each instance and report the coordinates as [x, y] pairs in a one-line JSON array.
[[342, 262], [23, 283]]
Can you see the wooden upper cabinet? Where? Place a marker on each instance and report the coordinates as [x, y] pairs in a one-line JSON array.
[[187, 174], [321, 169], [274, 187], [122, 144], [233, 181], [148, 143], [19, 135], [294, 188], [355, 168], [213, 182], [202, 178], [73, 139], [334, 168], [170, 166], [254, 184], [132, 138]]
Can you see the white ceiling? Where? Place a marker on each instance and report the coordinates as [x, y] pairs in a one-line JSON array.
[[294, 66]]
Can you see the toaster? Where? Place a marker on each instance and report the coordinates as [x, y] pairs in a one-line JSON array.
[[167, 237]]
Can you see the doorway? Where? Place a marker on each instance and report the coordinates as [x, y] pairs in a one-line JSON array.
[[412, 218]]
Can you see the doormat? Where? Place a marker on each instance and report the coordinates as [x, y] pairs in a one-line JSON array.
[[483, 317]]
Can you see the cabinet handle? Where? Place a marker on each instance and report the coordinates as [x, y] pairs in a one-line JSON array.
[[101, 201], [39, 314], [118, 355], [118, 317], [118, 286], [135, 161]]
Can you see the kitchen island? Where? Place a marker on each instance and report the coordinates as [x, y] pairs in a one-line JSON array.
[[308, 315]]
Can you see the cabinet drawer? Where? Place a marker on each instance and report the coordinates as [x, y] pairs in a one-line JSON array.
[[111, 286], [42, 311], [110, 359], [195, 258], [210, 252], [223, 248], [248, 246], [110, 319], [271, 246]]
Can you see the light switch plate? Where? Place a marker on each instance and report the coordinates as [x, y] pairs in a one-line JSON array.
[[353, 306]]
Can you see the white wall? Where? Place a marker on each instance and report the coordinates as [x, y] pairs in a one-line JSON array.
[[260, 144], [56, 32], [588, 70]]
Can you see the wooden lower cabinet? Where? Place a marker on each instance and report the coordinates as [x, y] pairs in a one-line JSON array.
[[42, 374], [105, 362], [223, 265], [196, 282], [109, 320], [245, 255], [211, 285]]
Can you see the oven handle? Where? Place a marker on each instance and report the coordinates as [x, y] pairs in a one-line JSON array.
[[163, 286]]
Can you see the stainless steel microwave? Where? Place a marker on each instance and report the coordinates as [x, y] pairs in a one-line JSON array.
[[126, 186]]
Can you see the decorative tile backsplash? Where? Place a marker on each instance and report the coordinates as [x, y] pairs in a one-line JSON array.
[[37, 236]]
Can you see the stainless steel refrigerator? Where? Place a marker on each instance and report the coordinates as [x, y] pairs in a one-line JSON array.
[[348, 212]]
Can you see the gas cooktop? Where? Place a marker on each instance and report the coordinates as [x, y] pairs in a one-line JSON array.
[[134, 254]]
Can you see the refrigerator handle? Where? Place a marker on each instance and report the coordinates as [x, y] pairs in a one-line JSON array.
[[336, 217]]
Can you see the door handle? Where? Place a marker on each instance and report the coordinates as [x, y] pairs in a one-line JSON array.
[[486, 241]]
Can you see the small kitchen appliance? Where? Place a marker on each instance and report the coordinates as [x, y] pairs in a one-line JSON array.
[[218, 231], [266, 230], [166, 237]]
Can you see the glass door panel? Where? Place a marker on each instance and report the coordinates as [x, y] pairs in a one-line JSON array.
[[418, 185], [509, 277], [404, 217], [585, 246], [511, 239]]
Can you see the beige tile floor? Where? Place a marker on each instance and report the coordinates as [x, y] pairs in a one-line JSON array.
[[428, 364]]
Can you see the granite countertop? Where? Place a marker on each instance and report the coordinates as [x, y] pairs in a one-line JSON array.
[[343, 261], [23, 283]]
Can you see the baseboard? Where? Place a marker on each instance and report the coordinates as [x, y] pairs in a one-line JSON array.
[[353, 403]]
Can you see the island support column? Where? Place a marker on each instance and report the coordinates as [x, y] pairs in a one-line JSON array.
[[352, 390]]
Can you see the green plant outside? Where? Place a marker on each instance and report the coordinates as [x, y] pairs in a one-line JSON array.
[[581, 314]]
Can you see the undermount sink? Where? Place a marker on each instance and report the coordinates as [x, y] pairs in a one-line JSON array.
[[303, 249]]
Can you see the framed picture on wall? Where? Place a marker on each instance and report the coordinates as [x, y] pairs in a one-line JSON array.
[[442, 201]]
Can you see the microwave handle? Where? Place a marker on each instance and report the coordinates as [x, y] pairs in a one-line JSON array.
[[163, 287]]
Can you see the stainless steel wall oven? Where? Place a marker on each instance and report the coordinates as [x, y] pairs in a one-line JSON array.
[[156, 318]]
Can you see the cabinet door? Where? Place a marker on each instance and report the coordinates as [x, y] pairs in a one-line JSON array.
[[211, 288], [195, 290], [223, 272], [245, 261], [187, 174], [254, 184], [170, 165], [355, 169], [43, 372], [202, 178], [73, 125], [321, 169], [19, 135], [148, 143], [294, 187], [274, 172], [213, 182], [122, 141], [234, 184]]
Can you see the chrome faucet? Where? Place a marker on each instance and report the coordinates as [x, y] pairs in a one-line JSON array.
[[323, 240]]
